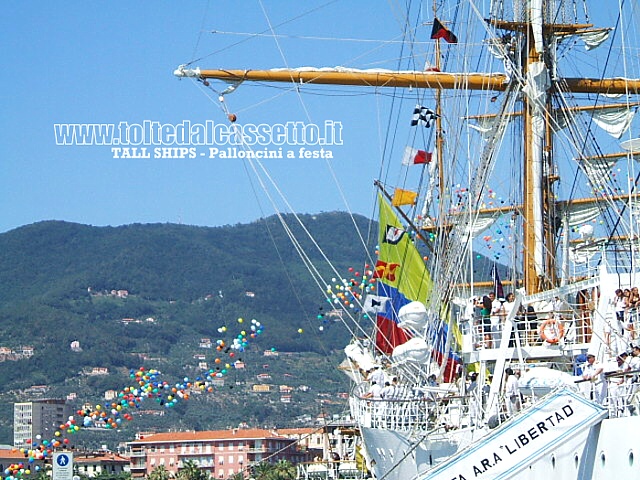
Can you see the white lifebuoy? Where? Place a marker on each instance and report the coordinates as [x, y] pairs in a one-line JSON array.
[[551, 331]]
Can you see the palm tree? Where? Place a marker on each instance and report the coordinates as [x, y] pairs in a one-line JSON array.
[[283, 470], [262, 471], [191, 471], [160, 473]]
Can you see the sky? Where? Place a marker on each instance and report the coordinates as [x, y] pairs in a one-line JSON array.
[[108, 63], [112, 63]]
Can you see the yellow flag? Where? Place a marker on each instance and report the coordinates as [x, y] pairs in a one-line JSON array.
[[403, 197], [400, 264]]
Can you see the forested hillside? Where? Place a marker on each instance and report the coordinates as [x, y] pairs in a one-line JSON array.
[[83, 307], [149, 295]]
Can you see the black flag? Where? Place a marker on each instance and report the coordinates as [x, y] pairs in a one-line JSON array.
[[440, 31], [423, 115]]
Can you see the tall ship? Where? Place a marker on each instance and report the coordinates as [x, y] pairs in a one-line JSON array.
[[495, 331]]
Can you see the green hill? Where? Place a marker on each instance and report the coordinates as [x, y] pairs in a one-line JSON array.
[[152, 295], [183, 284]]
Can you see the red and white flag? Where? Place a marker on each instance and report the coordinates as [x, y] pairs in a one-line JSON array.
[[413, 156]]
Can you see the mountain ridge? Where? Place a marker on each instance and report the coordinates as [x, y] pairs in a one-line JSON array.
[[58, 277], [183, 284]]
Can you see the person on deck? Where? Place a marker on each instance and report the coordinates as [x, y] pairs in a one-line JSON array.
[[388, 391], [594, 373], [497, 318], [619, 384], [507, 307], [532, 325], [634, 390], [487, 302], [376, 375], [374, 391], [475, 399], [431, 382], [621, 304], [628, 333], [511, 392]]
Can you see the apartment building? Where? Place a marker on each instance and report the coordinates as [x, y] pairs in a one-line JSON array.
[[96, 464], [221, 453], [38, 417]]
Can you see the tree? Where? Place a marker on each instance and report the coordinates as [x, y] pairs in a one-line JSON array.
[[191, 471], [283, 470], [42, 475], [160, 473], [262, 471]]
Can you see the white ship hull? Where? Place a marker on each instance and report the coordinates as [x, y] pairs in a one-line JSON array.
[[603, 450]]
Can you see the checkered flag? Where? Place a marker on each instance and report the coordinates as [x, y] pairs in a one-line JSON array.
[[423, 115]]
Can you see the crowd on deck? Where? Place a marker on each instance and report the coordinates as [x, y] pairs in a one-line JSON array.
[[558, 321], [614, 383]]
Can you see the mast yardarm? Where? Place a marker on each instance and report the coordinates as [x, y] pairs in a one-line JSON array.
[[406, 79]]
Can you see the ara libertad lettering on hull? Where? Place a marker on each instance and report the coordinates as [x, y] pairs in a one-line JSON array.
[[540, 428], [517, 445]]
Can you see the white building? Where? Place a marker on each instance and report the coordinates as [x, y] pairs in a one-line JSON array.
[[39, 417]]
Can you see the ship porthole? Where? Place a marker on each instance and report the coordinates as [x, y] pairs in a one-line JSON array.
[[576, 460], [631, 458], [553, 461], [602, 458]]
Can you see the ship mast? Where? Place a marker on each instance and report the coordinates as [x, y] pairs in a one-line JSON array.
[[538, 85], [535, 105], [439, 143]]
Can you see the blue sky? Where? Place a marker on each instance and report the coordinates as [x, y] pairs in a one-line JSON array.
[[86, 62]]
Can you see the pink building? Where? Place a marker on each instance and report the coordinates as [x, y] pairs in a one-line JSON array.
[[221, 453]]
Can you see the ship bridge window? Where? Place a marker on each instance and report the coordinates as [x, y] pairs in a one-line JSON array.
[[602, 458], [553, 461], [576, 460], [631, 458]]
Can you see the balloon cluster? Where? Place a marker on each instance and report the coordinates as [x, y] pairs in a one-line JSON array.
[[40, 450], [241, 341], [16, 470], [460, 199], [144, 384], [499, 240], [348, 292]]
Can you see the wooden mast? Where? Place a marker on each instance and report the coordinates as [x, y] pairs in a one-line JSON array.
[[408, 79], [531, 279]]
